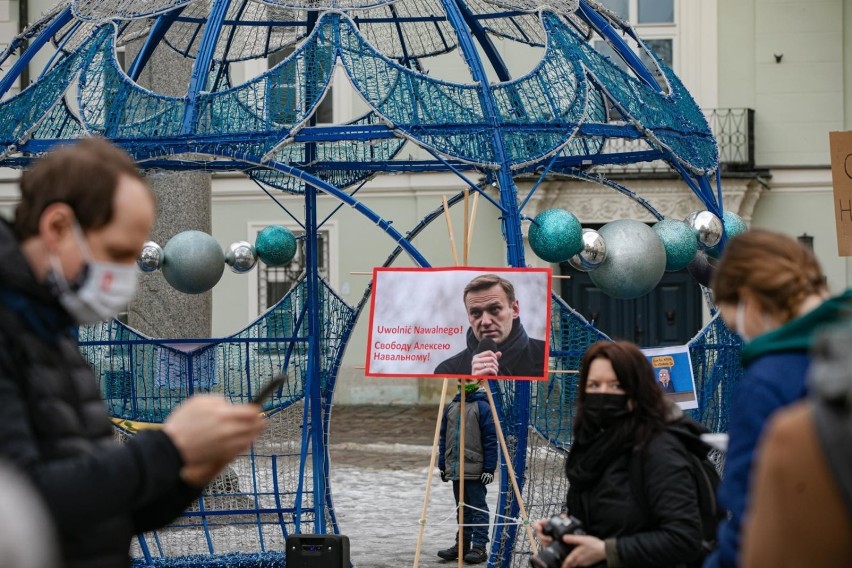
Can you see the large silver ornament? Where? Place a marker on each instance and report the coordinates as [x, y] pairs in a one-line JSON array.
[[193, 262], [635, 260], [241, 257], [593, 253], [151, 257], [707, 225]]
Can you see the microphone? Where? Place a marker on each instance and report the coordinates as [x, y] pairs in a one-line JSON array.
[[486, 344]]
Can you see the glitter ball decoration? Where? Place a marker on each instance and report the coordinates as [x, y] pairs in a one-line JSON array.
[[707, 225], [701, 268], [193, 262], [679, 241], [635, 260], [241, 257], [151, 257], [556, 235], [593, 253], [275, 245], [734, 225]]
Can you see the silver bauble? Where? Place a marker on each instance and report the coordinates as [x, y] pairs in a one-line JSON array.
[[151, 257], [635, 260], [241, 257], [707, 225], [701, 268], [193, 262], [593, 253]]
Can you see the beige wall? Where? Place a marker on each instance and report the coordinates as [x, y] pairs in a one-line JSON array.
[[799, 100]]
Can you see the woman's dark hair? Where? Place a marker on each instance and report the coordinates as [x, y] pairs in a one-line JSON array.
[[636, 376]]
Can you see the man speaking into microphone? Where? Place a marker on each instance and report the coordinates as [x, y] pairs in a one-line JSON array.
[[497, 344]]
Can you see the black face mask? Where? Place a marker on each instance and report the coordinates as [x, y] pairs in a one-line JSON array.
[[603, 410]]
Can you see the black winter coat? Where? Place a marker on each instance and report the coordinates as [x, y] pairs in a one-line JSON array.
[[671, 537], [522, 356], [56, 429]]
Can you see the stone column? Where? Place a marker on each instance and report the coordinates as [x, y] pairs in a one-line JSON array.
[[183, 204]]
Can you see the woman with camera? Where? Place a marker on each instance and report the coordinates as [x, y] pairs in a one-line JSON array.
[[623, 417]]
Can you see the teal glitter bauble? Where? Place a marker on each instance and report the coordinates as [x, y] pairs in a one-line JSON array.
[[734, 225], [635, 260], [556, 235], [193, 262], [275, 245], [679, 241]]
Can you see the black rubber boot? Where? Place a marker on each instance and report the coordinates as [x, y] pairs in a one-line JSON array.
[[452, 553], [476, 555]]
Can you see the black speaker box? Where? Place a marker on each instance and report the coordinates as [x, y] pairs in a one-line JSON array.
[[317, 551]]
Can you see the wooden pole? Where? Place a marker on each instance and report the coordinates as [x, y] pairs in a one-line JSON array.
[[466, 230], [508, 459], [461, 472], [435, 441], [450, 228], [469, 236]]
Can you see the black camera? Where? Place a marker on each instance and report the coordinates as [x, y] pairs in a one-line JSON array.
[[553, 555]]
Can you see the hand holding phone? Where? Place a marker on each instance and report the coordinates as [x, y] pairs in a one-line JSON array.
[[266, 392]]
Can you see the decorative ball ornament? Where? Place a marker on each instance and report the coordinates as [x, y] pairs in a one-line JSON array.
[[635, 260], [275, 245], [151, 257], [707, 225], [679, 241], [556, 235], [193, 262], [593, 253], [734, 225], [241, 257], [701, 268]]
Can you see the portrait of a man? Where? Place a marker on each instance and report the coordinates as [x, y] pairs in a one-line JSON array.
[[497, 343], [460, 322], [664, 379]]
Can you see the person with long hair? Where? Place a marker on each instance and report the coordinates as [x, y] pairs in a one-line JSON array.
[[622, 419], [770, 290]]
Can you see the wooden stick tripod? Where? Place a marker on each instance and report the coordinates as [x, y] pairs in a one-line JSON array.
[[507, 458]]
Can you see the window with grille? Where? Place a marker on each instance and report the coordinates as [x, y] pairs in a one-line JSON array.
[[655, 23], [285, 100]]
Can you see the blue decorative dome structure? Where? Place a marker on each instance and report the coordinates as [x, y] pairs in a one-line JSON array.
[[555, 119]]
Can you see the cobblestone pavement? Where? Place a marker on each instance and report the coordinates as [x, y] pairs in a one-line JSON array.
[[379, 465]]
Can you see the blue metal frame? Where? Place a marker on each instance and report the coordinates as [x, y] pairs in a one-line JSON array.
[[508, 132]]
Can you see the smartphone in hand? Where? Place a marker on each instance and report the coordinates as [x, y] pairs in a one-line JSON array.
[[266, 392]]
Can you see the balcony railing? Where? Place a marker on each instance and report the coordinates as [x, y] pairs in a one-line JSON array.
[[733, 129]]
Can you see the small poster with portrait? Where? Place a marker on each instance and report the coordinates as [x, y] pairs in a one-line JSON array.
[[673, 373], [460, 322]]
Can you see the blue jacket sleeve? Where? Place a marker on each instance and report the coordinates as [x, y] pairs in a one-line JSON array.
[[755, 400], [489, 437]]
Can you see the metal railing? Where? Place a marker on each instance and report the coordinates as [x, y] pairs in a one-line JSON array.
[[733, 129]]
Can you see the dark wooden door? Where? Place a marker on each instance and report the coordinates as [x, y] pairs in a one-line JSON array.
[[669, 315]]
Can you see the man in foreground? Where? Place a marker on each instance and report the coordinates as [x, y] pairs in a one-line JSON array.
[[69, 259]]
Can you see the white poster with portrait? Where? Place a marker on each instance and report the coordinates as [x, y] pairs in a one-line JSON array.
[[438, 322], [673, 373]]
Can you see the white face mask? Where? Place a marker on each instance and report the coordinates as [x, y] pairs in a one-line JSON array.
[[740, 322], [102, 291]]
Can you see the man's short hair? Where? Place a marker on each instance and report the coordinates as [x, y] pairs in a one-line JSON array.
[[84, 175], [486, 281]]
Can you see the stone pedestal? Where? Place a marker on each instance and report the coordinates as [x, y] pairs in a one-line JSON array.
[[183, 204]]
